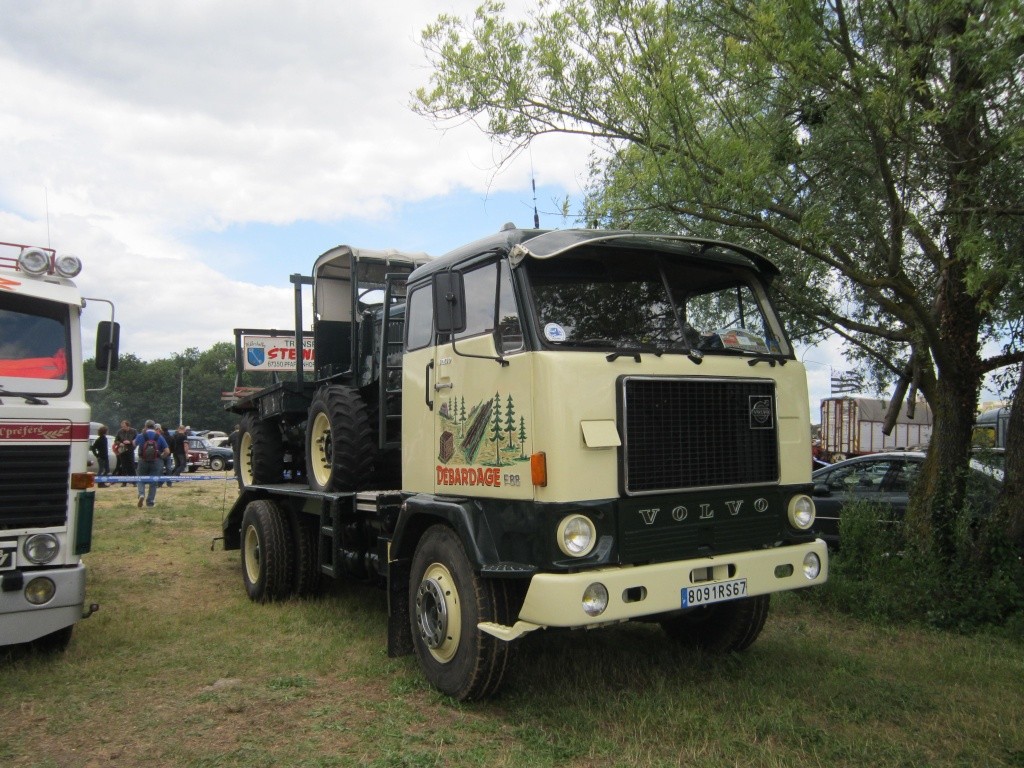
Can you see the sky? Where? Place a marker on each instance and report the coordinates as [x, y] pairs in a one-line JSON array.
[[194, 154]]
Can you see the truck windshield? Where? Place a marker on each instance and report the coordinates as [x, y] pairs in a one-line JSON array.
[[640, 300], [34, 346]]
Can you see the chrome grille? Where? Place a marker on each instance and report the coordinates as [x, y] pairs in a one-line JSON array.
[[34, 485]]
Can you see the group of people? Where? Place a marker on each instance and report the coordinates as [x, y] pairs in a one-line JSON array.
[[148, 454]]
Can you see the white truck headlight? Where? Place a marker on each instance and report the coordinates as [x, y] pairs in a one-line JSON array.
[[801, 512], [41, 548], [34, 261], [576, 535], [68, 266], [40, 590]]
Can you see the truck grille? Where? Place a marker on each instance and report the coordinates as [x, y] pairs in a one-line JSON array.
[[34, 485], [697, 433]]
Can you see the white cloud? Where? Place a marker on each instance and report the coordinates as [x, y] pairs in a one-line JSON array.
[[127, 127]]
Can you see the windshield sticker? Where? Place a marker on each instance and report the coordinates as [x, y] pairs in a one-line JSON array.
[[554, 332]]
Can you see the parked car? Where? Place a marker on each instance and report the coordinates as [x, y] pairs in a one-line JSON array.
[[218, 458], [198, 456], [885, 479]]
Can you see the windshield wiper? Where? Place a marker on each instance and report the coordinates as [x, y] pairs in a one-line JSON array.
[[30, 399]]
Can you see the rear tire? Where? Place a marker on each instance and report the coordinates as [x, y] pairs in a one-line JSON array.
[[260, 452], [340, 448], [447, 600], [267, 552], [307, 565], [722, 627]]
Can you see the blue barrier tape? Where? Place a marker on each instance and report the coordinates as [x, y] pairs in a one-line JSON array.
[[158, 479]]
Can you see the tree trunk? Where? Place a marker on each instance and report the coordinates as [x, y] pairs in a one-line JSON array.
[[1010, 508], [940, 492]]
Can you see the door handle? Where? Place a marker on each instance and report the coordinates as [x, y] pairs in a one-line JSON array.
[[430, 403], [439, 386]]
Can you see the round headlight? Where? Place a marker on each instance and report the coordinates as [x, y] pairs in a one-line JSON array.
[[35, 261], [41, 548], [595, 599], [801, 512], [812, 566], [576, 535], [40, 590], [68, 266]]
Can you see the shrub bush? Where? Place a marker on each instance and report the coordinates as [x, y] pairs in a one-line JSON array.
[[879, 575]]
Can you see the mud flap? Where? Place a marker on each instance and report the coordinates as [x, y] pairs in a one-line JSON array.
[[399, 629]]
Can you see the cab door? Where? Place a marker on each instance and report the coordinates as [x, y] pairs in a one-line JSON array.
[[477, 392]]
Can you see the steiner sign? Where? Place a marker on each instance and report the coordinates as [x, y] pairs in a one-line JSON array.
[[275, 353]]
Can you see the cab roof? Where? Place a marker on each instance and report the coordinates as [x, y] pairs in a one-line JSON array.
[[520, 244]]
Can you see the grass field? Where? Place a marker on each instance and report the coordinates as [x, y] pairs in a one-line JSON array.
[[179, 668]]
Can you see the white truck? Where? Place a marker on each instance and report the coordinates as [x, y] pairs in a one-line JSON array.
[[46, 496], [561, 429], [853, 426]]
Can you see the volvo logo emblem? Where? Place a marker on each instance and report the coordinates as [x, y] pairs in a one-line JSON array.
[[761, 412]]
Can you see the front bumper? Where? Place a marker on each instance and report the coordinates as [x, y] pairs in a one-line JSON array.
[[556, 599], [22, 622]]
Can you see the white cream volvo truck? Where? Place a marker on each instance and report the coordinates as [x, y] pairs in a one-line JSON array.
[[46, 494], [542, 429]]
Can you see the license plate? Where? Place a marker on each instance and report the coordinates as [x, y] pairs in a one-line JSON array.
[[718, 592]]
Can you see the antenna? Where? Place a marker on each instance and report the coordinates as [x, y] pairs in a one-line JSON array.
[[533, 183]]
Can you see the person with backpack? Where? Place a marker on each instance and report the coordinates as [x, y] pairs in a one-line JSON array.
[[152, 449]]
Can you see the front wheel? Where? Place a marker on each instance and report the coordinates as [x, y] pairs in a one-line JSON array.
[[726, 627], [267, 552], [55, 642], [217, 464], [447, 601]]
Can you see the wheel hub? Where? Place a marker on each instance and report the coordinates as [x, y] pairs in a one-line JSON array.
[[432, 613]]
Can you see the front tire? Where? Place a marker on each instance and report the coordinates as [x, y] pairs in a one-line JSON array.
[[55, 642], [260, 452], [340, 449], [217, 464], [447, 601], [267, 552], [727, 627]]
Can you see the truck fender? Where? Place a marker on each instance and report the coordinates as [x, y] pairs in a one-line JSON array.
[[418, 513], [463, 515]]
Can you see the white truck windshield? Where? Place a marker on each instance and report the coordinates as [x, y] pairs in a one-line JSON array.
[[34, 346]]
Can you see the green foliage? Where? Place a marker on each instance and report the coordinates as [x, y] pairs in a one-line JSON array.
[[191, 381], [877, 576], [875, 150]]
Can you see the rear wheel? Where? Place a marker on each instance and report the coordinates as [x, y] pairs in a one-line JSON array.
[[260, 452], [722, 627], [340, 449], [217, 464], [306, 563], [447, 601], [267, 552]]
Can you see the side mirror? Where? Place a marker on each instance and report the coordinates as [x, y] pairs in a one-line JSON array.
[[449, 302], [108, 337]]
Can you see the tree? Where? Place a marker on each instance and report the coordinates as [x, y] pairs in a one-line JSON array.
[[873, 148], [190, 382]]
